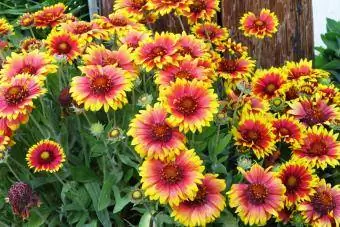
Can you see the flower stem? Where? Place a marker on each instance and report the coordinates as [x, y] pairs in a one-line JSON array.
[[181, 22], [43, 133], [12, 171]]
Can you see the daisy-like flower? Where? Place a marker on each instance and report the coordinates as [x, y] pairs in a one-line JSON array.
[[101, 87], [5, 27], [187, 69], [35, 63], [8, 126], [233, 48], [133, 7], [298, 70], [49, 16], [192, 104], [157, 52], [5, 142], [85, 30], [259, 26], [299, 180], [235, 69], [46, 155], [267, 83], [154, 135], [201, 9], [259, 198], [17, 95], [319, 148], [254, 104], [26, 20], [211, 32], [330, 93], [121, 58], [190, 46], [174, 180], [287, 129], [164, 7], [132, 38], [30, 44], [63, 44], [255, 132], [313, 111], [205, 207], [323, 208]]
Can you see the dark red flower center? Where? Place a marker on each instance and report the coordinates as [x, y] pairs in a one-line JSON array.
[[157, 51], [284, 131], [28, 69], [270, 88], [292, 93], [161, 132], [108, 60], [82, 28], [64, 48], [185, 50], [138, 4], [200, 198], [314, 114], [120, 22], [228, 66], [291, 182], [198, 6], [183, 74], [187, 105], [101, 84], [16, 94], [252, 135], [259, 24], [257, 193], [323, 202], [317, 148], [208, 34], [171, 173]]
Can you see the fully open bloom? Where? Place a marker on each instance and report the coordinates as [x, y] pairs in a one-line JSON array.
[[192, 104], [267, 83], [313, 111], [210, 32], [157, 52], [259, 198], [205, 207], [190, 46], [17, 95], [201, 9], [298, 70], [35, 63], [234, 69], [101, 87], [132, 38], [46, 155], [319, 148], [5, 27], [50, 16], [323, 208], [264, 25], [133, 7], [84, 30], [173, 180], [164, 7], [63, 44], [154, 135], [254, 104], [287, 129], [299, 180], [255, 132]]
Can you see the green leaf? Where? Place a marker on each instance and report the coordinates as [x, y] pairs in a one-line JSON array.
[[83, 174], [335, 64], [38, 217], [219, 168], [120, 202], [105, 194], [222, 144], [98, 150], [145, 220], [333, 26]]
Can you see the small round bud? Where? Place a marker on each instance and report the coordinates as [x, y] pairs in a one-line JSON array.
[[97, 129]]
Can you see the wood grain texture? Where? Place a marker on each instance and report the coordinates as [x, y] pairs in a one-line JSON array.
[[106, 7], [294, 39]]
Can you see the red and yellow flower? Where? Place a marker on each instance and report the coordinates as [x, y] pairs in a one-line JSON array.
[[49, 16], [17, 95], [173, 180], [192, 104], [65, 45], [211, 32], [235, 69], [255, 132], [259, 26], [323, 208], [132, 38], [287, 129], [164, 7], [330, 93], [205, 207], [46, 155], [5, 27], [298, 70], [133, 7], [259, 198], [35, 63], [268, 83], [101, 87], [299, 180], [190, 46], [30, 44], [5, 142], [157, 52], [233, 48], [319, 148], [201, 9], [154, 135], [26, 20], [254, 105]]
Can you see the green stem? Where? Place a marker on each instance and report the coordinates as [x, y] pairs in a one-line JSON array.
[[114, 118], [144, 82], [12, 171], [59, 179], [87, 118], [21, 166], [32, 33], [43, 133]]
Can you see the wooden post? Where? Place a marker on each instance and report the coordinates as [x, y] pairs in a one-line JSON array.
[[294, 39], [106, 7]]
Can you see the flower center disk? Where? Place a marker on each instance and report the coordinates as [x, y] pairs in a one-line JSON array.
[[257, 193], [162, 132], [187, 105], [323, 202], [171, 173], [16, 94], [101, 85]]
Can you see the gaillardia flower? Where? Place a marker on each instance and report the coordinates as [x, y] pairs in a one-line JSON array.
[[192, 104], [255, 132], [234, 69], [133, 7], [323, 207], [17, 94], [35, 63], [210, 32], [318, 148], [173, 180], [5, 27], [26, 20], [190, 46], [46, 155], [264, 25], [153, 134], [157, 52], [258, 199], [267, 83], [287, 129], [299, 180], [132, 38], [165, 7], [201, 9], [298, 70], [50, 16], [101, 87], [63, 44], [30, 44], [205, 207]]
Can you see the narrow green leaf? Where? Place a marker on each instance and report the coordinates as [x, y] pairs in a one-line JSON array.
[[104, 197], [83, 174], [120, 202], [145, 220]]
